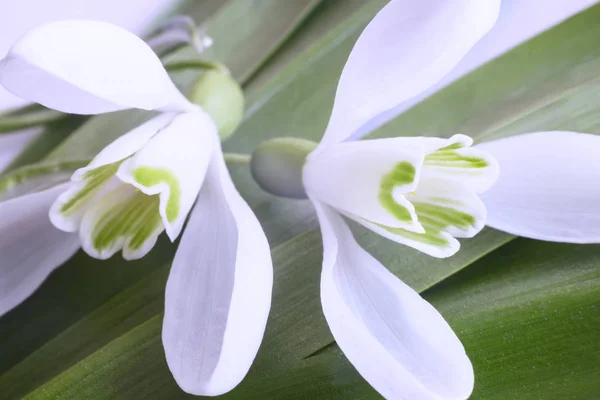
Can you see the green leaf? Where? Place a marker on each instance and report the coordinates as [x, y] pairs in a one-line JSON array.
[[525, 310], [27, 118]]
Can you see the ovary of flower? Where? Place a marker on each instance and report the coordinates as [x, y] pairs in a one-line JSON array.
[[422, 192]]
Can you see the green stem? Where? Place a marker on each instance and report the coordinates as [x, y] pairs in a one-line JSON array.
[[237, 158], [18, 121], [195, 64]]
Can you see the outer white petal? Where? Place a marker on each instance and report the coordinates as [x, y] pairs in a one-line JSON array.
[[351, 177], [30, 247], [88, 67], [408, 47], [118, 150], [173, 165], [549, 186], [396, 340], [219, 290]]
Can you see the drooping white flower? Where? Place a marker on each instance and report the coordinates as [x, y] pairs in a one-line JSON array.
[[219, 289], [422, 192]]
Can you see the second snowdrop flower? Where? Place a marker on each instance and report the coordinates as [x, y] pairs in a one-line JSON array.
[[148, 181], [422, 192]]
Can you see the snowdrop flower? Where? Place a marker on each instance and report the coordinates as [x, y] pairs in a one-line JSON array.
[[219, 289], [421, 192]]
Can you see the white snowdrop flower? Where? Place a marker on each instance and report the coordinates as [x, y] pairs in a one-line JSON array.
[[421, 192], [147, 181]]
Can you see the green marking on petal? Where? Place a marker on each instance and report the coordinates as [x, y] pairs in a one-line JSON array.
[[94, 180], [435, 219], [402, 174], [430, 237], [440, 217], [151, 176], [136, 218], [448, 157]]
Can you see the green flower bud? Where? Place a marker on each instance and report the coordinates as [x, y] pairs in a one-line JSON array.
[[222, 98], [276, 166]]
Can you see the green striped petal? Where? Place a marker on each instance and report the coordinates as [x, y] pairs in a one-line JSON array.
[[369, 179], [88, 183], [445, 206], [69, 207], [434, 242], [446, 210], [454, 159], [123, 219], [172, 166]]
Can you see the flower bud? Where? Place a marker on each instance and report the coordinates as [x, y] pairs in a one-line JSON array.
[[222, 98], [276, 166]]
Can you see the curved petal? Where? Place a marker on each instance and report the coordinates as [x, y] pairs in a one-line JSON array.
[[433, 242], [548, 187], [173, 165], [408, 47], [448, 206], [123, 219], [88, 67], [454, 159], [396, 340], [369, 179], [445, 210], [218, 294], [94, 179], [30, 247]]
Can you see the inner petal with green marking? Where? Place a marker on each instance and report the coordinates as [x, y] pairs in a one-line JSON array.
[[401, 175], [455, 159], [93, 181], [152, 176], [449, 156], [85, 189], [125, 219], [444, 208]]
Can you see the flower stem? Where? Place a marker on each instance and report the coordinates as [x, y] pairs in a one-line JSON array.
[[195, 64], [237, 158]]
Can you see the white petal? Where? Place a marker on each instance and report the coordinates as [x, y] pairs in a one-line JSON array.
[[219, 290], [396, 340], [95, 179], [173, 165], [30, 247], [454, 159], [88, 67], [368, 179], [408, 47], [549, 186]]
